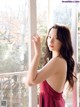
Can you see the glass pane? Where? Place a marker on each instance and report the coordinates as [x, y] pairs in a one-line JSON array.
[[13, 36], [42, 20], [62, 13], [78, 33], [78, 48], [13, 92]]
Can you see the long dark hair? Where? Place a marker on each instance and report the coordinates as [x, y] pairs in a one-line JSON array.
[[66, 51]]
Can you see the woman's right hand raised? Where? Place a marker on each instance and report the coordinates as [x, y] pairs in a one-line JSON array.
[[37, 44]]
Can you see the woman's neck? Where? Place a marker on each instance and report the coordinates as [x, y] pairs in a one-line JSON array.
[[55, 54]]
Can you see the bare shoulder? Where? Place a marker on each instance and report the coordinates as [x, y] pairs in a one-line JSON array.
[[59, 60], [60, 63]]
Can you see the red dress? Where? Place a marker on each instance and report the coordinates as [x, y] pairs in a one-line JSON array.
[[49, 97]]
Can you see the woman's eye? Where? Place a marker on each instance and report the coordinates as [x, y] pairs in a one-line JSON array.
[[49, 36]]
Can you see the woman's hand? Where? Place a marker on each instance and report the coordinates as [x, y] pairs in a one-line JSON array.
[[37, 44]]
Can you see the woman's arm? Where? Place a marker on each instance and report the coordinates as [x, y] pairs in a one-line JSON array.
[[32, 72]]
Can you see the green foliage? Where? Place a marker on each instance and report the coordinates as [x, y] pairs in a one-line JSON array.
[[42, 29], [10, 58], [42, 51], [78, 54]]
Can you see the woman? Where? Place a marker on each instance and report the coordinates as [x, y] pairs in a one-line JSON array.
[[58, 68]]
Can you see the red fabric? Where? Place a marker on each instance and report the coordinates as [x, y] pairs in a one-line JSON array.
[[49, 97]]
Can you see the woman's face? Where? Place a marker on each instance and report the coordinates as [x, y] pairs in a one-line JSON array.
[[53, 43]]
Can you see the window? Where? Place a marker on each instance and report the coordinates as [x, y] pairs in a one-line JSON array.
[[13, 36], [13, 53]]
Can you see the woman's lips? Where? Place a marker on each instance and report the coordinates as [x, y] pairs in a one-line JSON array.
[[51, 46]]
